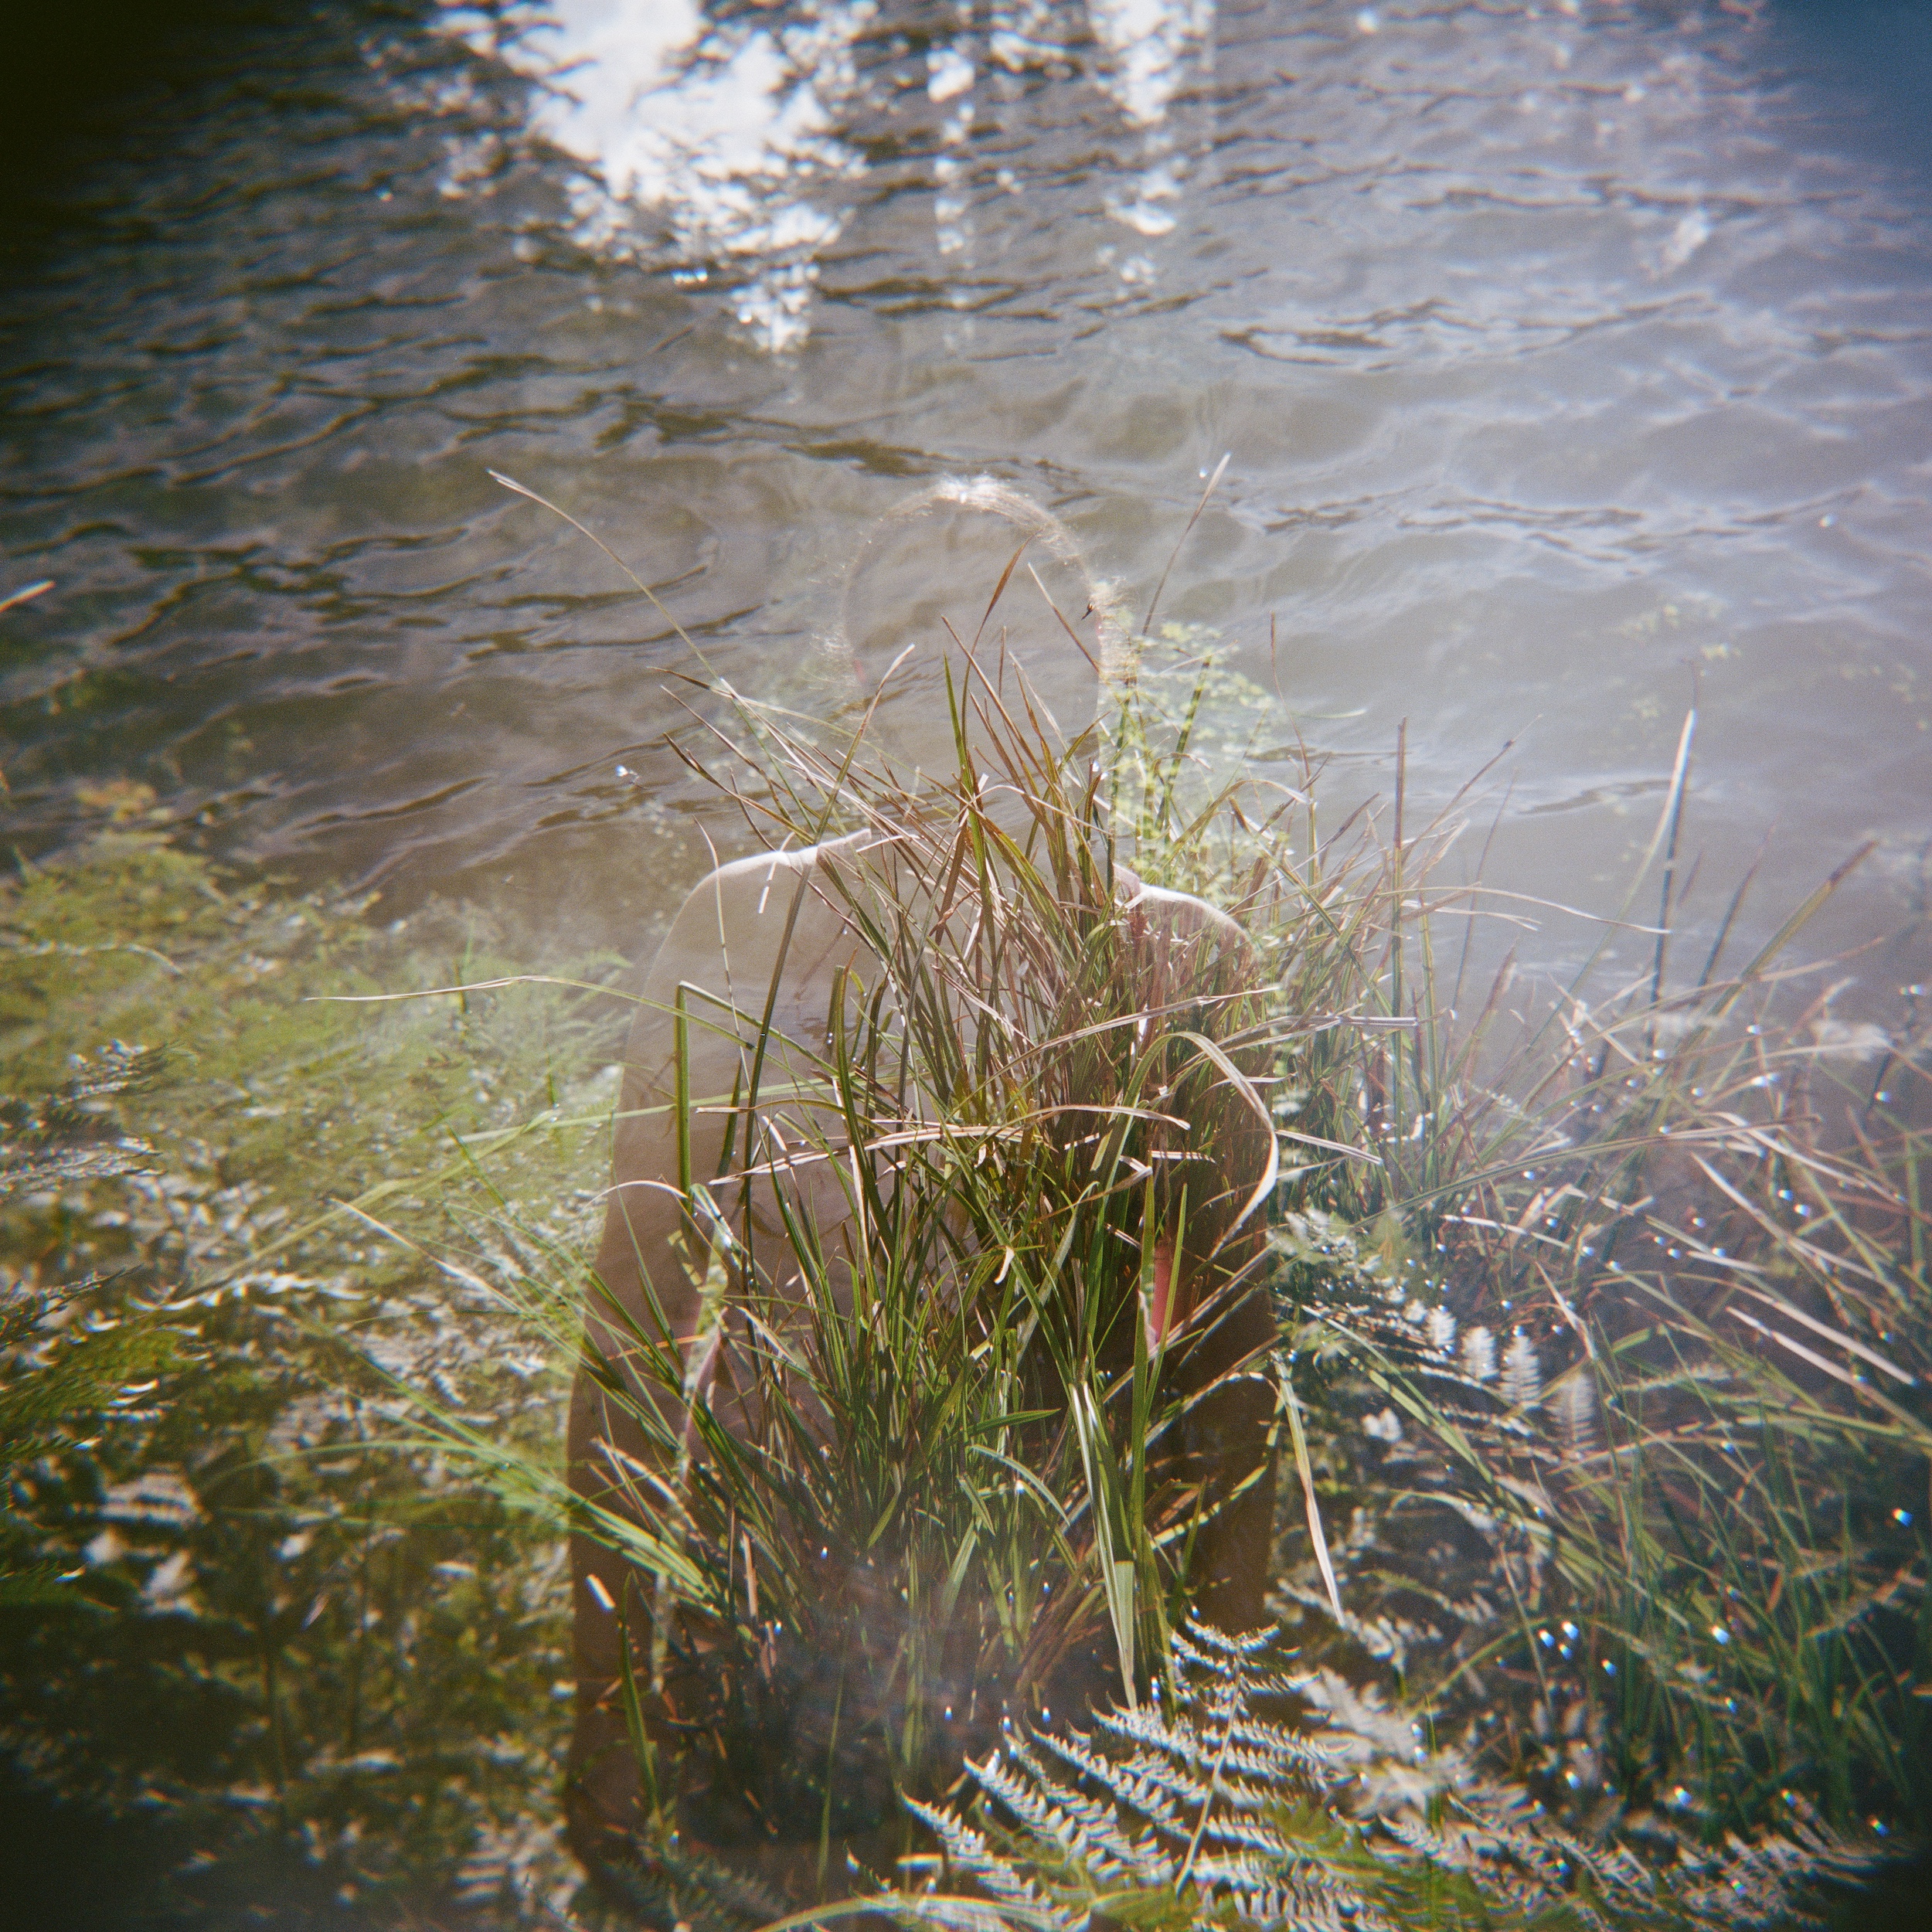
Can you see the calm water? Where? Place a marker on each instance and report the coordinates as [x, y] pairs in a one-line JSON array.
[[1568, 356]]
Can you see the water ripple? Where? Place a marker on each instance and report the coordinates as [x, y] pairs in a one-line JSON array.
[[1567, 355]]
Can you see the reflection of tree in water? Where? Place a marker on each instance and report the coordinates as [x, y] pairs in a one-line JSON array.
[[734, 133]]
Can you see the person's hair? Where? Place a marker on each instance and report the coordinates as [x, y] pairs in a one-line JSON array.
[[1069, 642]]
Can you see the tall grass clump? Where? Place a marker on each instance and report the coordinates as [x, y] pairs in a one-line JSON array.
[[1620, 1351], [986, 1408], [1612, 1327], [1616, 1350]]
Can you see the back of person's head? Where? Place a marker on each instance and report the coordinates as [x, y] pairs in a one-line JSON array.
[[917, 595]]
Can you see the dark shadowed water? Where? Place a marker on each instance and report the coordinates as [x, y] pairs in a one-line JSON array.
[[1570, 358]]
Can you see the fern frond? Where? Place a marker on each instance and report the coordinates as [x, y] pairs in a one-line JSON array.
[[968, 1857], [668, 1887], [1117, 1856], [1212, 1814], [1042, 1811]]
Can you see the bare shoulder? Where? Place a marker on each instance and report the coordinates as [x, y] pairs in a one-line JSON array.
[[1179, 913], [734, 920]]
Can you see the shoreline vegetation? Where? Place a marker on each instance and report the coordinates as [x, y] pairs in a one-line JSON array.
[[1602, 1403]]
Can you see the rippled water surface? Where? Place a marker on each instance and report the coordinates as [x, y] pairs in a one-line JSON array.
[[1570, 359]]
